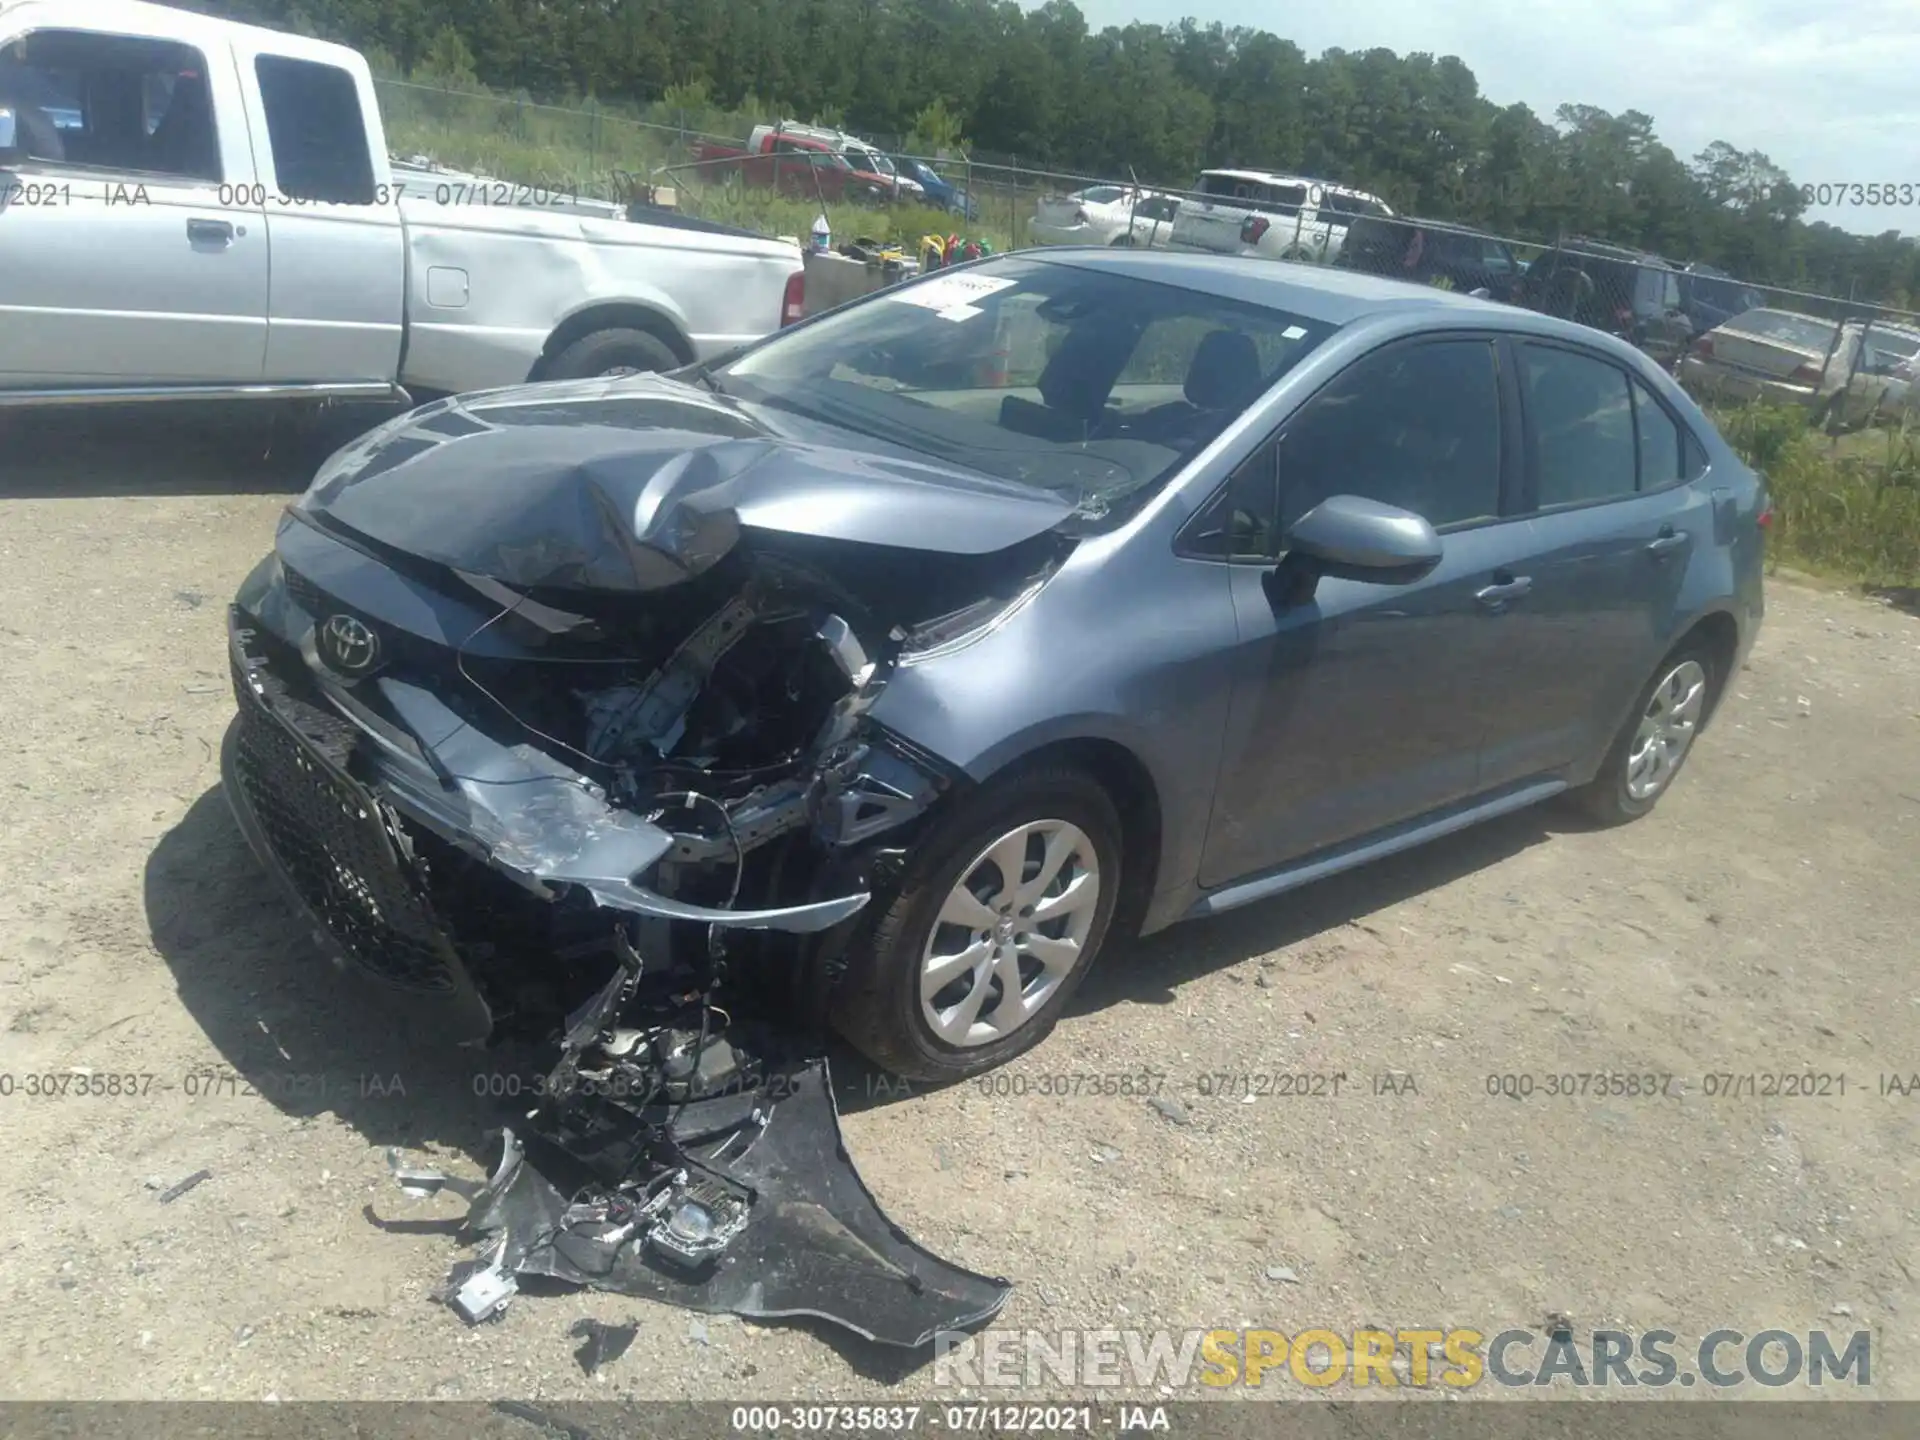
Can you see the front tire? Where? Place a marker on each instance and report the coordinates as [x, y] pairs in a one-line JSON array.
[[1658, 736], [969, 963], [612, 353]]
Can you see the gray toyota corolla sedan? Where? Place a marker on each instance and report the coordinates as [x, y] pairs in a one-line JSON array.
[[893, 666]]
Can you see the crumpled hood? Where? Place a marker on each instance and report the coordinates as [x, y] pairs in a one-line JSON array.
[[638, 483]]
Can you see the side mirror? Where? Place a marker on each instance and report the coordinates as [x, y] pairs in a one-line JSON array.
[[1351, 538], [10, 151]]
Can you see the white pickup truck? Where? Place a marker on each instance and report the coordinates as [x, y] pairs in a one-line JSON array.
[[1269, 215], [196, 209]]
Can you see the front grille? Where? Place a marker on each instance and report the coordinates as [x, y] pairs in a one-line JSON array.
[[307, 595], [331, 842]]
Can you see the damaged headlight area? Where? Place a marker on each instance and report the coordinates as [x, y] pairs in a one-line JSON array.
[[641, 822]]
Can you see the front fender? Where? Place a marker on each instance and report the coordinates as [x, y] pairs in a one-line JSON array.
[[1139, 660]]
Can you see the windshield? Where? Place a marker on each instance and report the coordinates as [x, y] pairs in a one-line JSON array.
[[1091, 385]]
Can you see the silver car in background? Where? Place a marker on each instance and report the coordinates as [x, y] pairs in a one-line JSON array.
[[1852, 371], [1104, 215]]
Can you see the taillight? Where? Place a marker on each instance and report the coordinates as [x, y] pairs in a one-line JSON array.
[[1765, 518], [1807, 374], [1252, 228], [793, 306], [1703, 347], [1623, 316]]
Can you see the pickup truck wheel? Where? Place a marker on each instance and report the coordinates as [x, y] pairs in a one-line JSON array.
[[997, 919], [612, 352]]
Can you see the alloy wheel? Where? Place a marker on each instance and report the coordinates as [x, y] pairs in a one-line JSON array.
[[1667, 728], [1010, 932]]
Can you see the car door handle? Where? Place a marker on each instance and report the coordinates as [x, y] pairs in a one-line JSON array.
[[1497, 596], [210, 231], [1665, 543]]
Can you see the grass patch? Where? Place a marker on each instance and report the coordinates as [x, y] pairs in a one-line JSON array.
[[1848, 507]]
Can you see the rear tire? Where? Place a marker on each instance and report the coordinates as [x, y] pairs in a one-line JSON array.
[[613, 352], [882, 1006], [1646, 757]]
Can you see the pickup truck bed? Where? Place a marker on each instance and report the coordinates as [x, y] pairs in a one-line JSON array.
[[253, 237]]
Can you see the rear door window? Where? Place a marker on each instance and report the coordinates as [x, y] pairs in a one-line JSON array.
[[1339, 204], [1581, 414]]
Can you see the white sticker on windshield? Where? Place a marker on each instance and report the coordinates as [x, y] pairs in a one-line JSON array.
[[1293, 332], [952, 295]]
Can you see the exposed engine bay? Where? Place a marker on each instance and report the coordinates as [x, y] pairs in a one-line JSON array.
[[584, 758]]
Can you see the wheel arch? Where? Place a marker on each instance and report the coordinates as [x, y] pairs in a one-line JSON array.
[[1720, 632], [655, 319], [1719, 629], [1119, 769]]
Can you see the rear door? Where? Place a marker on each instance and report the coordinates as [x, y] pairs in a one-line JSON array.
[[1614, 520], [1368, 705], [338, 291], [1153, 220], [131, 249]]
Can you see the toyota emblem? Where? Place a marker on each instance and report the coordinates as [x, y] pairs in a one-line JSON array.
[[348, 645]]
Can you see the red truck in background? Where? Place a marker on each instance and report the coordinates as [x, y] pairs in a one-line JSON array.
[[805, 161]]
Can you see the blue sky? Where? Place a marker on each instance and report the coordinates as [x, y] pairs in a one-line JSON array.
[[1830, 89]]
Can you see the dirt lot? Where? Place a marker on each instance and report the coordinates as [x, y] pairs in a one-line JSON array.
[[1763, 921]]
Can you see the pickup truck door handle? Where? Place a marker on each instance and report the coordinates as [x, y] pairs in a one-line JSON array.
[[1505, 588], [1666, 542], [210, 231]]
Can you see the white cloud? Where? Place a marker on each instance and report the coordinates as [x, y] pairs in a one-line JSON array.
[[1829, 89]]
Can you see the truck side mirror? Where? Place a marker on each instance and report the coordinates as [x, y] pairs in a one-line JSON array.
[[10, 151]]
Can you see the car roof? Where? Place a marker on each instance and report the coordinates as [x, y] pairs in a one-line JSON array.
[[1607, 250], [1333, 296], [1273, 177], [1316, 292], [1285, 177]]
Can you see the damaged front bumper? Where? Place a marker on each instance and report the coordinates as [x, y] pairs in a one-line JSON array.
[[335, 788], [673, 1155]]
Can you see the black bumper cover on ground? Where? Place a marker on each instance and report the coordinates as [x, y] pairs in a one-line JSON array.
[[817, 1244]]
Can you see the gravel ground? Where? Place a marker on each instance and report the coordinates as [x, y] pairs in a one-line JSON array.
[[1762, 921]]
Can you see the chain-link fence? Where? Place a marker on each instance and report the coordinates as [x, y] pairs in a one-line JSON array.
[[1848, 364]]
